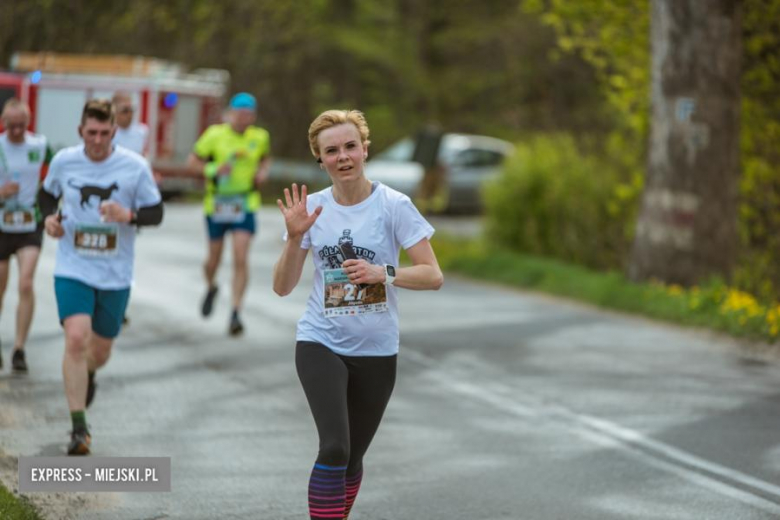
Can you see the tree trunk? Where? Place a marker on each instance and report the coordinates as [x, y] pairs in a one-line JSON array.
[[687, 227]]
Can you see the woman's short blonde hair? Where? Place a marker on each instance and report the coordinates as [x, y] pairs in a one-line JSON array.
[[331, 118]]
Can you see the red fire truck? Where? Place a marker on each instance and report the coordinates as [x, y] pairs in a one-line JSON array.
[[175, 104]]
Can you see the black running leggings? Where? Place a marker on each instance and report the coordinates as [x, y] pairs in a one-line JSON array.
[[347, 396]]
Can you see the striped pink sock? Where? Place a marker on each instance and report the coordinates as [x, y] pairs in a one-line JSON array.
[[352, 487], [326, 492]]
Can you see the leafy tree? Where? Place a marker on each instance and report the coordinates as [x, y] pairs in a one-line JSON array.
[[614, 38], [467, 65]]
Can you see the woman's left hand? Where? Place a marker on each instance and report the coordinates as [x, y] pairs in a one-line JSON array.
[[359, 271]]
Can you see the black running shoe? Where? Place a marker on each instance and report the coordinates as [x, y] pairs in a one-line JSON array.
[[18, 363], [79, 442], [91, 387], [208, 301], [236, 327]]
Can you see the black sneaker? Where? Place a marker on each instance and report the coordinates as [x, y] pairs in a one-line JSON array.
[[208, 301], [236, 327], [79, 442], [91, 387], [18, 363]]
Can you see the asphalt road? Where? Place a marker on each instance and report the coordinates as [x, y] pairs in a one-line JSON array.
[[508, 405]]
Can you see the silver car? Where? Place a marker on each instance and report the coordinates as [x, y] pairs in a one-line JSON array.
[[463, 163]]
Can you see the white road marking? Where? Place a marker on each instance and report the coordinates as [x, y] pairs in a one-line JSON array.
[[707, 474]]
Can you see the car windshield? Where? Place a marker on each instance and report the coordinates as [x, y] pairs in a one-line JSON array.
[[477, 158], [401, 151]]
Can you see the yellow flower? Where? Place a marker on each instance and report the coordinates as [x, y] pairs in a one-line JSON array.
[[740, 301], [773, 319], [675, 290]]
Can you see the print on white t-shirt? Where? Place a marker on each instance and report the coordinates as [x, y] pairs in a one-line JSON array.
[[21, 163], [343, 298], [99, 254], [378, 227]]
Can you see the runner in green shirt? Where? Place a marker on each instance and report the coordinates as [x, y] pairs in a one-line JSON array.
[[235, 158]]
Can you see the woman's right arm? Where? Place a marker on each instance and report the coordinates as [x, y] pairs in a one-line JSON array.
[[287, 271], [297, 220]]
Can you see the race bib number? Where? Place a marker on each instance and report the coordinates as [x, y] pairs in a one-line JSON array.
[[96, 239], [18, 220], [343, 298], [229, 210]]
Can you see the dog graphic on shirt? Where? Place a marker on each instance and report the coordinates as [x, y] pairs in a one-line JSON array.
[[87, 191]]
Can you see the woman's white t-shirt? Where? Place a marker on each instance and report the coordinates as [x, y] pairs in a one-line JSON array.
[[345, 319]]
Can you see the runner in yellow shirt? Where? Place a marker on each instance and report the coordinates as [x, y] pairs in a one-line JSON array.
[[235, 158]]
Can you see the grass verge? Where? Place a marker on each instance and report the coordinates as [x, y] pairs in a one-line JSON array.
[[714, 305], [15, 508]]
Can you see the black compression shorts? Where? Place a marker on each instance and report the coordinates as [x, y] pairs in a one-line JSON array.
[[10, 243]]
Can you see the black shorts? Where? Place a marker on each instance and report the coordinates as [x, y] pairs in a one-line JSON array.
[[10, 243]]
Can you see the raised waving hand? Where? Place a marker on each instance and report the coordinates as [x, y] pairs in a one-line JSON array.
[[297, 218]]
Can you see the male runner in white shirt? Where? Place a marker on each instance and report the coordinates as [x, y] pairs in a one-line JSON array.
[[24, 158], [106, 192]]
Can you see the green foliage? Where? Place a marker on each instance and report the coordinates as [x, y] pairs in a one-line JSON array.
[[553, 200], [614, 38], [466, 65], [759, 269]]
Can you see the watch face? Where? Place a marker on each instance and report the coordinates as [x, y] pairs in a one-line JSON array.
[[391, 270]]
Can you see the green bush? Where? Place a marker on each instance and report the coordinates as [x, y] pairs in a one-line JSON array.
[[553, 200], [758, 270]]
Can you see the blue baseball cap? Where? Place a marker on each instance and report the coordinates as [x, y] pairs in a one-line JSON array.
[[243, 101]]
